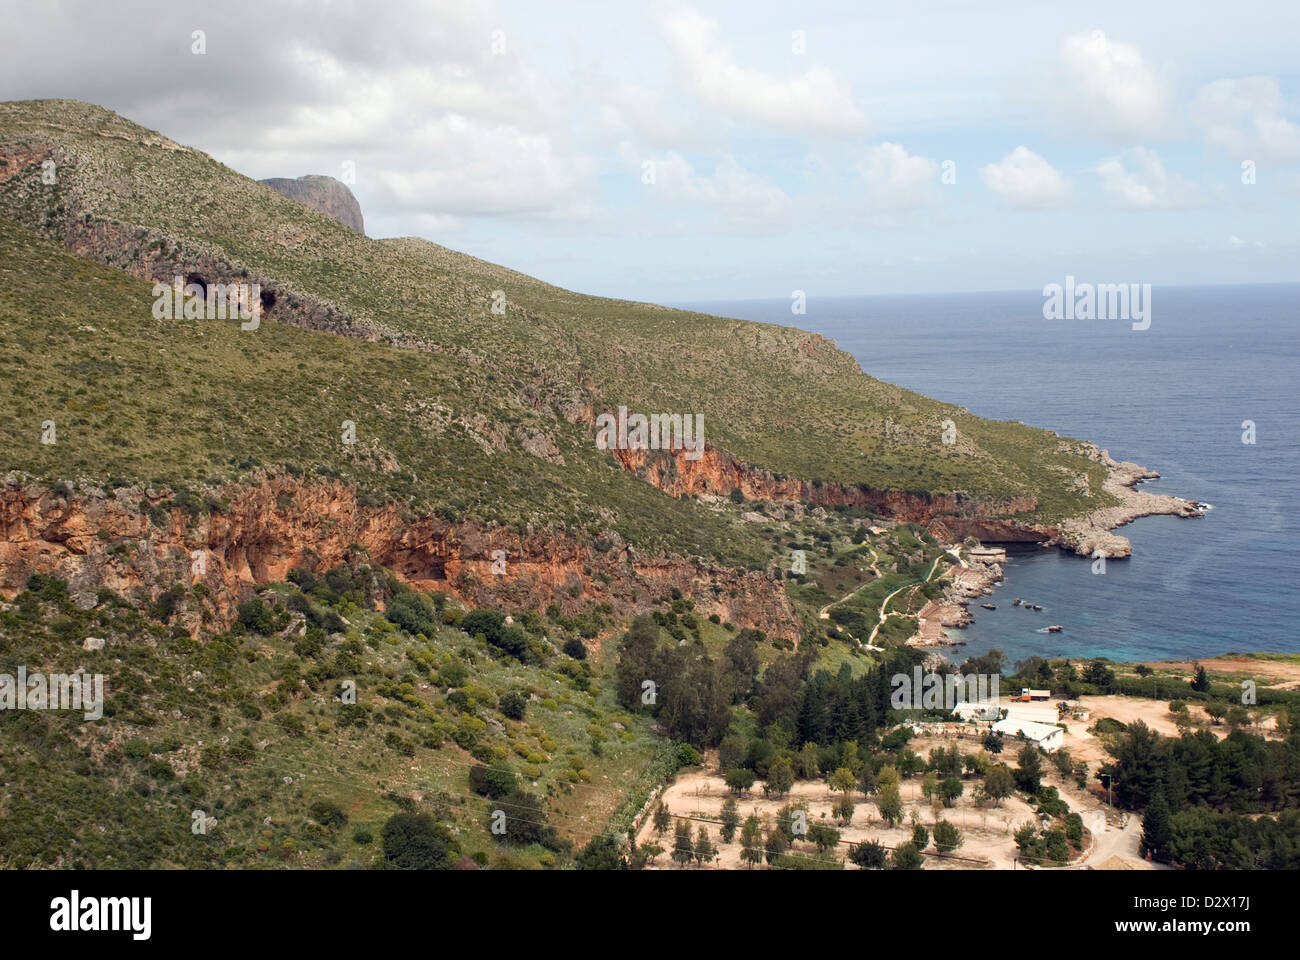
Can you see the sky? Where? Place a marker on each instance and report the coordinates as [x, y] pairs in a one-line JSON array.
[[675, 151]]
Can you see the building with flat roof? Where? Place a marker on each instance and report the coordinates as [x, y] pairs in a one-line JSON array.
[[1049, 739], [1032, 712], [975, 710]]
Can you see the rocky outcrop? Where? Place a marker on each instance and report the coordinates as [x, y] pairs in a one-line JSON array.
[[133, 539], [1090, 535], [718, 473], [324, 195], [950, 516]]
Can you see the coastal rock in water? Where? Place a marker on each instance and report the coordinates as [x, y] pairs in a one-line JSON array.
[[1091, 536], [324, 195]]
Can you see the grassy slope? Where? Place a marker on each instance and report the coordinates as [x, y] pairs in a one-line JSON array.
[[124, 788], [184, 402], [776, 397]]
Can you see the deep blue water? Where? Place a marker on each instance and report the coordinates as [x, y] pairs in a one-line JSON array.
[[1173, 398]]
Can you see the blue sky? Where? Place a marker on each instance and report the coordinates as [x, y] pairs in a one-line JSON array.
[[792, 145]]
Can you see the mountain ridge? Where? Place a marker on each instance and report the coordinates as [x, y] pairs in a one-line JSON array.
[[775, 398]]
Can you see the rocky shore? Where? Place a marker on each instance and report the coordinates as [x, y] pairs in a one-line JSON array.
[[1092, 534]]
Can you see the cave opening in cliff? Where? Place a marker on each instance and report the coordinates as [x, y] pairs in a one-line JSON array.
[[268, 301], [197, 279], [424, 568]]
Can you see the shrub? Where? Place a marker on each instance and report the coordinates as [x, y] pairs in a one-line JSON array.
[[495, 781], [327, 813], [255, 616], [413, 841], [513, 705], [412, 613]]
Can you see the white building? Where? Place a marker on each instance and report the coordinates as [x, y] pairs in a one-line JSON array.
[[1048, 738], [1033, 712], [974, 710]]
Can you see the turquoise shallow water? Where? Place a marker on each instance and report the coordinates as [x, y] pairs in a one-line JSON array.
[[1172, 398]]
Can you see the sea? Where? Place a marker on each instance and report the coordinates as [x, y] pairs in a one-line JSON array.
[[1218, 366]]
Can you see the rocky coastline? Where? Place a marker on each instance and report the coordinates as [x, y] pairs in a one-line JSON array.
[[1089, 535]]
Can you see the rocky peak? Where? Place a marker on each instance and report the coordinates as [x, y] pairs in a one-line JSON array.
[[324, 195]]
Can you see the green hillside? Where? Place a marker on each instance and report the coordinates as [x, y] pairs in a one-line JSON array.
[[775, 397], [191, 404]]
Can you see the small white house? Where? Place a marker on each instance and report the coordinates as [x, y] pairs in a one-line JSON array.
[[976, 710], [1049, 739]]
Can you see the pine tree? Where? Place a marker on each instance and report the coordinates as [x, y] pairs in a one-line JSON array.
[[703, 847], [683, 851], [730, 820], [1157, 827], [751, 841]]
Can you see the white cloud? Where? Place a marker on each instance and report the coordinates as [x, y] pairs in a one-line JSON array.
[[1027, 181], [1138, 181], [1244, 116], [895, 180], [814, 102], [1109, 87], [465, 167], [741, 198], [1236, 243]]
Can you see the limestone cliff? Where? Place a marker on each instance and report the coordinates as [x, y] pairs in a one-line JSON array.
[[323, 194], [132, 539]]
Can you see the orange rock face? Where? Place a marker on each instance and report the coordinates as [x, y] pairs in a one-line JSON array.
[[718, 472], [94, 539]]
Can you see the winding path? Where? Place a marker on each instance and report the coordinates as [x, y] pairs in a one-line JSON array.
[[881, 615]]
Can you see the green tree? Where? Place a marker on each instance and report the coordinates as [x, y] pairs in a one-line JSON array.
[[1074, 829], [739, 780], [906, 857], [947, 838], [869, 855], [823, 835], [730, 820], [662, 819], [890, 805], [949, 790], [751, 841], [1237, 716], [1157, 828], [777, 844], [601, 853], [1024, 837], [1029, 772], [807, 762], [703, 846], [683, 850], [998, 783], [1201, 682], [842, 779], [1057, 848], [780, 777]]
